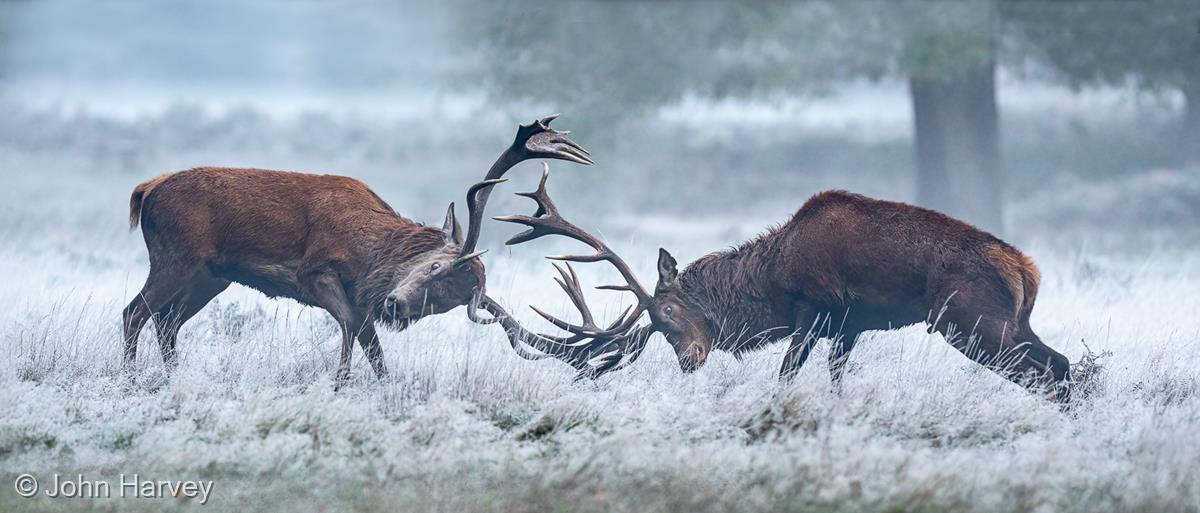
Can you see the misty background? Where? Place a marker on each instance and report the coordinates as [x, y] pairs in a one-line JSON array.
[[1061, 123], [1069, 128]]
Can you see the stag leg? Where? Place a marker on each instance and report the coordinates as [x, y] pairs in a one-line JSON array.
[[161, 286], [797, 353], [133, 319], [990, 338], [807, 330], [1040, 353], [185, 305], [330, 295], [982, 339], [369, 340], [859, 319], [839, 354]]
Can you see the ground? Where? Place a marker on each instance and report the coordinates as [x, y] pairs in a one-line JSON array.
[[464, 424]]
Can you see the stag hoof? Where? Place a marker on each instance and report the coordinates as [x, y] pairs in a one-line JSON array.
[[341, 379]]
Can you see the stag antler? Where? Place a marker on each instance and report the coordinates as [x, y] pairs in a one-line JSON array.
[[611, 348], [588, 349], [534, 140], [547, 221]]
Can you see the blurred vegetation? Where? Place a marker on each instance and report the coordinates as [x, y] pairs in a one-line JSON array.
[[141, 85], [6, 20], [1152, 45], [612, 61], [609, 63]]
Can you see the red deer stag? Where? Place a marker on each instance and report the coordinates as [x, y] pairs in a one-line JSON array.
[[325, 241], [844, 264]]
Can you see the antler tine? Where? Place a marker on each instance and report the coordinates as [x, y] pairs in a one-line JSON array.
[[576, 351], [588, 329], [620, 288], [475, 213], [472, 201], [591, 352], [518, 336], [545, 204], [547, 221], [559, 323], [569, 281], [629, 347], [585, 259], [587, 347], [533, 140]]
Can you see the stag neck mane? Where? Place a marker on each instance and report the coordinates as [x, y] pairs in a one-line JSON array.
[[391, 254], [734, 289]]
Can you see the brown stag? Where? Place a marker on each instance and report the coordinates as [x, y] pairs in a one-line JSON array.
[[842, 265], [325, 241]]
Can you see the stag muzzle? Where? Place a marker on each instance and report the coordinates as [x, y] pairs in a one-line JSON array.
[[418, 304], [409, 308], [692, 357], [391, 306]]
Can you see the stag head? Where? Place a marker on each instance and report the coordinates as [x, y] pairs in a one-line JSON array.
[[680, 316], [448, 272], [430, 274]]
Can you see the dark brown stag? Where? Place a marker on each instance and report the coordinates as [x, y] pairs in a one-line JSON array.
[[325, 241], [844, 264]]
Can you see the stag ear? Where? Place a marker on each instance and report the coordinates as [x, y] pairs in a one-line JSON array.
[[667, 272], [451, 228]]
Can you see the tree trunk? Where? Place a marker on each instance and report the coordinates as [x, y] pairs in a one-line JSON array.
[[957, 143], [1189, 130]]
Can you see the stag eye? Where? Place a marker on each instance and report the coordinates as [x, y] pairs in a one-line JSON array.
[[433, 268], [668, 311]]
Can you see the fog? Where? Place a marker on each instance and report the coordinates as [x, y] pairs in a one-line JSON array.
[[310, 83], [709, 122]]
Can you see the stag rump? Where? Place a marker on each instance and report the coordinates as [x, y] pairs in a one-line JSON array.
[[842, 265], [325, 241]]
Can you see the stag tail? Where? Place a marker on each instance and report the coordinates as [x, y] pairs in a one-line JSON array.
[[139, 195]]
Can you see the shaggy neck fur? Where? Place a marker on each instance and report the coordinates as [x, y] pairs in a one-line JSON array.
[[390, 258], [732, 288]]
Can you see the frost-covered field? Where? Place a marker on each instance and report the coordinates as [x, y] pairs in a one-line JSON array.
[[465, 425]]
